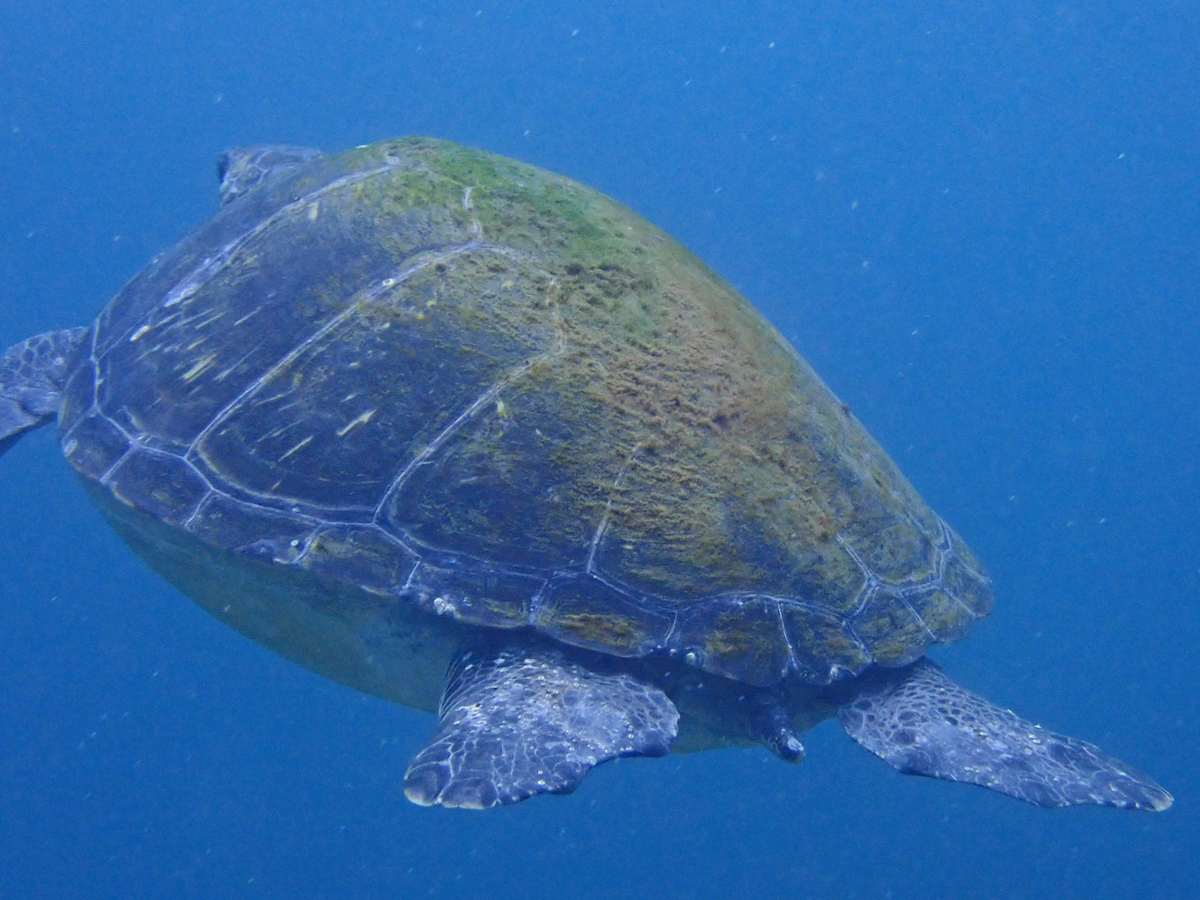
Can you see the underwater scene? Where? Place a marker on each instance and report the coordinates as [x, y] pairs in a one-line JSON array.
[[409, 400]]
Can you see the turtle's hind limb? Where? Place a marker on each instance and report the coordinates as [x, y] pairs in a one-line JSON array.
[[922, 723]]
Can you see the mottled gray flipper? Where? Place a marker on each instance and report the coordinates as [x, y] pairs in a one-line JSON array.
[[517, 721], [246, 167], [32, 376], [923, 723]]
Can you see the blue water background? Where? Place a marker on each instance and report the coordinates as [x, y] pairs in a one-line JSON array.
[[979, 221]]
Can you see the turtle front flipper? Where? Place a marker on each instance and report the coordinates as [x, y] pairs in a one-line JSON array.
[[32, 376], [922, 723], [519, 720]]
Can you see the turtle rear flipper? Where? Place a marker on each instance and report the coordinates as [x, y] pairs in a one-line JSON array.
[[32, 377], [517, 721], [922, 723]]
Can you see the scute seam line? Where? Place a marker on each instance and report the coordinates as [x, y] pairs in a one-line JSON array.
[[466, 415], [352, 308]]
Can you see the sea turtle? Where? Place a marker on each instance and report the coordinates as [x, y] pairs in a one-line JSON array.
[[470, 436]]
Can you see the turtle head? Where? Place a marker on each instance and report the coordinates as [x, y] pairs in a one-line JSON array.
[[244, 168]]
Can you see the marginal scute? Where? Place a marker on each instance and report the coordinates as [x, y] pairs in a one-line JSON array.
[[585, 612], [359, 554], [962, 580], [946, 617], [94, 445], [159, 484], [473, 593], [890, 629], [738, 637], [251, 529], [824, 647]]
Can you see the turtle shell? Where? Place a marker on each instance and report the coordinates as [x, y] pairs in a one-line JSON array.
[[461, 382]]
